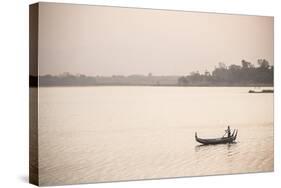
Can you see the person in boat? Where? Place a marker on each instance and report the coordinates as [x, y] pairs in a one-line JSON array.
[[228, 131]]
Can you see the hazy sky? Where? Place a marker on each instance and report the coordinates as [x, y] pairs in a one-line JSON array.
[[96, 40]]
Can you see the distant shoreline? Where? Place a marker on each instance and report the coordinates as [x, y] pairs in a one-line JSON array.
[[252, 85], [246, 75]]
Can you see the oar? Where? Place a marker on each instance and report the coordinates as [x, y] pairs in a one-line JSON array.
[[233, 132], [224, 133]]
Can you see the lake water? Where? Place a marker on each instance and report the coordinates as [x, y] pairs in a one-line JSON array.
[[97, 134]]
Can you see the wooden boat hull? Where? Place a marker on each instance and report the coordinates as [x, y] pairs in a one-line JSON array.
[[262, 91], [223, 140]]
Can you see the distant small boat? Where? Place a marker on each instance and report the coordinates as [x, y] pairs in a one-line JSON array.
[[262, 91], [222, 140]]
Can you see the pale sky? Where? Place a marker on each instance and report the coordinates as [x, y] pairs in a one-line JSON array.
[[99, 40]]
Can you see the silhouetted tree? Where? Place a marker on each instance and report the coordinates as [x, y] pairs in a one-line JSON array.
[[245, 74], [264, 64]]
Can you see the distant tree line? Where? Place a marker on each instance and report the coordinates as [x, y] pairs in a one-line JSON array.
[[67, 79], [245, 74]]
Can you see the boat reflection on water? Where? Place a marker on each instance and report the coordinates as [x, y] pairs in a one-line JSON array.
[[204, 147]]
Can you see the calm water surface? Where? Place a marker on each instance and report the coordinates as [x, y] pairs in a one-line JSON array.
[[96, 134]]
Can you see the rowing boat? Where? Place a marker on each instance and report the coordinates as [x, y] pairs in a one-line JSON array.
[[222, 140]]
